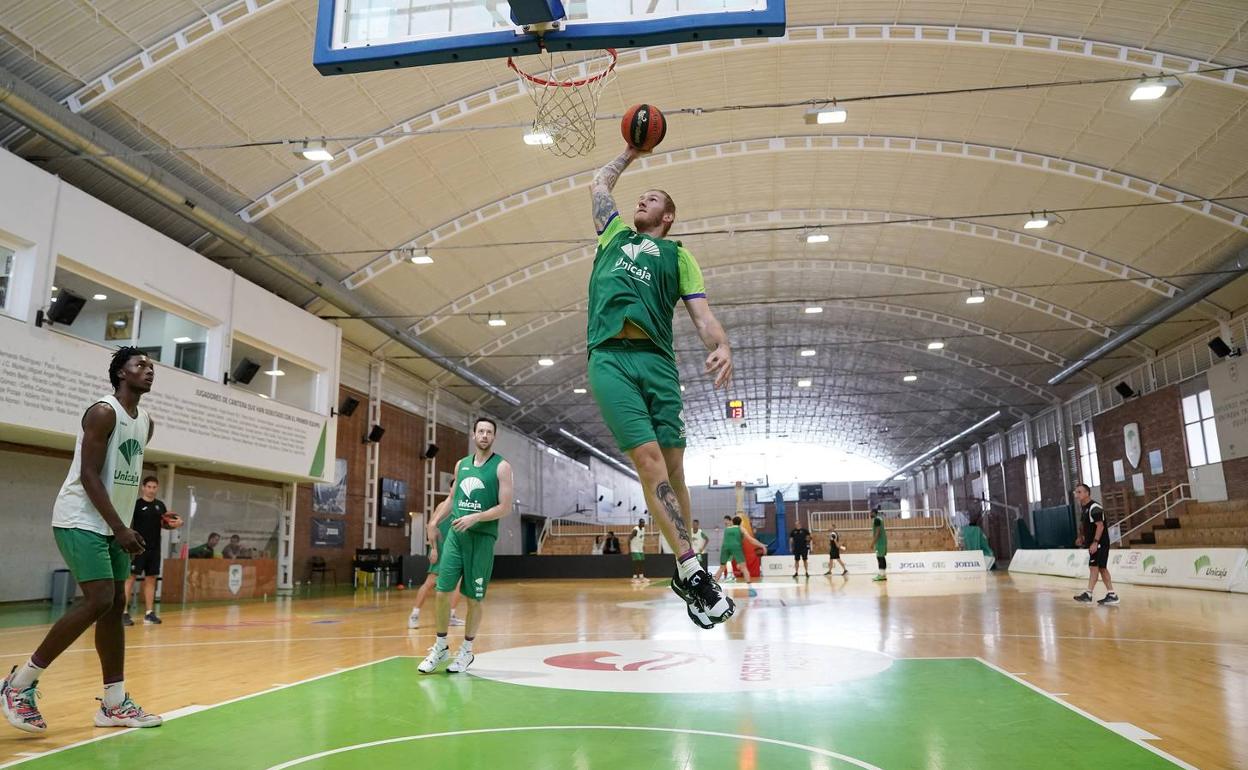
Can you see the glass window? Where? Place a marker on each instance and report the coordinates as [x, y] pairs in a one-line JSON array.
[[270, 376], [8, 262], [1089, 472], [113, 318], [1200, 429], [1033, 480]]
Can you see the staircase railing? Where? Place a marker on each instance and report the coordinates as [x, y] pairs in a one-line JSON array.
[[824, 521], [1168, 500]]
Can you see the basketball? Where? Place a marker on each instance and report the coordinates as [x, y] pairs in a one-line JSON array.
[[643, 126], [170, 520]]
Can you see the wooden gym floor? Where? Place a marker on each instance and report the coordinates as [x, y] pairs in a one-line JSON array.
[[958, 671]]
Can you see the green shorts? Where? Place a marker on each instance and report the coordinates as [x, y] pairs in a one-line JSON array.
[[91, 556], [637, 389], [732, 554], [468, 556], [638, 555]]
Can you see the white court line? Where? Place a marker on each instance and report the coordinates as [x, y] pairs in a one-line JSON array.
[[1128, 730], [1107, 725], [196, 708], [535, 728]]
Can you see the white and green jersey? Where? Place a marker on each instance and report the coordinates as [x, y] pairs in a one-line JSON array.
[[123, 468]]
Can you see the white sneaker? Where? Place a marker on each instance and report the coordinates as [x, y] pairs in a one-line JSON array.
[[461, 663], [128, 714], [456, 621], [413, 620], [436, 655]]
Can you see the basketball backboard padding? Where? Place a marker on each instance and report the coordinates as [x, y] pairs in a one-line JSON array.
[[369, 35], [528, 12]]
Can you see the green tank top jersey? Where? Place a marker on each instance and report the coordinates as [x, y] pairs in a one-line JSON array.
[[732, 537], [638, 278], [476, 490]]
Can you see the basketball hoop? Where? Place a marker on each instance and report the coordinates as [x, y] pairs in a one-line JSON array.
[[566, 107]]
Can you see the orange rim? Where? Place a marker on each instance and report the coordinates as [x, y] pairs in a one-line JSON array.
[[565, 83]]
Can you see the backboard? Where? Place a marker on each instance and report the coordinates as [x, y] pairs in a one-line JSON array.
[[366, 35]]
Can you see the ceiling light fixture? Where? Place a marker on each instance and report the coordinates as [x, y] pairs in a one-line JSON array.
[[935, 345], [181, 340], [1149, 89], [910, 378], [1039, 222], [421, 258], [538, 138], [826, 114], [807, 353], [99, 297], [579, 391], [977, 297], [497, 321], [812, 310], [818, 238], [545, 362], [803, 383], [313, 150]]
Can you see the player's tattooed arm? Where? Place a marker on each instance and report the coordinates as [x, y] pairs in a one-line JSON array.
[[671, 507], [602, 185]]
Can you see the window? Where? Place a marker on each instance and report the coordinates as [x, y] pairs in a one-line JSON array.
[[112, 317], [268, 375], [8, 262], [905, 507], [1033, 481], [1202, 433], [1089, 472]]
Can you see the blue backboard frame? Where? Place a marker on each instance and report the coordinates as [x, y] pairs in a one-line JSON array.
[[769, 22]]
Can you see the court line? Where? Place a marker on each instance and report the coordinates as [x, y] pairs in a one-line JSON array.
[[187, 710], [1107, 725], [535, 728]]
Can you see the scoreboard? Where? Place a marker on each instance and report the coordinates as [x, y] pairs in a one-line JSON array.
[[735, 409]]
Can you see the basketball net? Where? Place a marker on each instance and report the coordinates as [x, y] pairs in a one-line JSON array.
[[566, 100]]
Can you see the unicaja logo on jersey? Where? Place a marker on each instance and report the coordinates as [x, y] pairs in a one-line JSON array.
[[645, 247], [469, 485], [129, 449]]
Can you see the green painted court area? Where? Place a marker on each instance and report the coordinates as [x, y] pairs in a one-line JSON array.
[[923, 713]]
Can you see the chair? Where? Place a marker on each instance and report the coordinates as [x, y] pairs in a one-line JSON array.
[[317, 565]]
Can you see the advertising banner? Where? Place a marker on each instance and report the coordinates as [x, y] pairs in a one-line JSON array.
[[1211, 569], [47, 381], [864, 563]]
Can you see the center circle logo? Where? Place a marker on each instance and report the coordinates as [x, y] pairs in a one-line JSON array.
[[650, 665]]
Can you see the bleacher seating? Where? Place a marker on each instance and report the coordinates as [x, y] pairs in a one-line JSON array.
[[1221, 524]]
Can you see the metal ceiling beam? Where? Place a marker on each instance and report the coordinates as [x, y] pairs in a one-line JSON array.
[[29, 106], [1135, 59]]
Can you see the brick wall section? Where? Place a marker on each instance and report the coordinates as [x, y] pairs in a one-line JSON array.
[[1049, 465], [1159, 415], [1236, 472], [402, 450]]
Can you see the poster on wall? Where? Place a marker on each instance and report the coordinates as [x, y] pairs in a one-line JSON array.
[[1228, 389], [328, 533], [49, 379], [332, 497]]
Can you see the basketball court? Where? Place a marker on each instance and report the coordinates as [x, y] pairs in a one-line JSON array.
[[977, 670]]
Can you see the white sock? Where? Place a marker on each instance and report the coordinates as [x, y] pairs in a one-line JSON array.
[[688, 568], [114, 694], [440, 643], [26, 676], [467, 646]]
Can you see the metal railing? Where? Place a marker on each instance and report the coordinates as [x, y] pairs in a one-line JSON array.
[[1168, 500], [841, 521]]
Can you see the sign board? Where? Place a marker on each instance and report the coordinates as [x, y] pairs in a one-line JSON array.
[[1228, 389], [1211, 569]]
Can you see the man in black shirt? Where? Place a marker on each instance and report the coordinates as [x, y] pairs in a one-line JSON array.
[[611, 545], [147, 513], [1095, 533], [799, 543]]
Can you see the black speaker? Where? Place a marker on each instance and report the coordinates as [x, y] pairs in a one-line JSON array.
[[65, 308], [348, 405], [1124, 390], [431, 451], [1221, 349], [374, 435], [245, 371]]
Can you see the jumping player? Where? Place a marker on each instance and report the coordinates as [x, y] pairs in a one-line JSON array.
[[637, 278], [482, 496], [91, 524]]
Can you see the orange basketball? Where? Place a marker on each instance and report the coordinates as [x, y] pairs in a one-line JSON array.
[[171, 520], [643, 126]]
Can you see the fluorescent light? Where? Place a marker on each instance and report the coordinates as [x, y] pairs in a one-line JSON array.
[[1154, 88], [422, 259], [803, 383], [545, 362], [497, 322], [943, 444], [119, 323], [99, 297], [812, 310], [538, 138], [599, 452], [579, 391], [261, 395], [935, 345], [910, 378], [807, 353], [181, 340], [1038, 222], [276, 373], [822, 116], [976, 298], [818, 238], [315, 151]]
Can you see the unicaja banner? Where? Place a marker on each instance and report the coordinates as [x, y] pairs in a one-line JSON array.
[[1210, 569]]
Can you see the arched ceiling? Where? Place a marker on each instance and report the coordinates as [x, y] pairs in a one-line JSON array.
[[901, 189]]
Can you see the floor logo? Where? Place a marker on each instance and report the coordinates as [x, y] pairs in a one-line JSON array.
[[647, 665]]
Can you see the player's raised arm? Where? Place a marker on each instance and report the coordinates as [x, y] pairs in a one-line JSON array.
[[602, 185], [713, 336]]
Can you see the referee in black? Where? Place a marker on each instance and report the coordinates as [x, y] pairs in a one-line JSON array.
[[147, 513], [1095, 534], [799, 543]]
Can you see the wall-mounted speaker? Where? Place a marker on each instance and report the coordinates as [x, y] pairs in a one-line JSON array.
[[1221, 349], [374, 435], [431, 451], [348, 406], [245, 371], [65, 308], [1125, 390]]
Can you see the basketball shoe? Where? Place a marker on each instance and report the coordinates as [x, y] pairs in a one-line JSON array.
[[19, 706], [704, 598], [125, 714], [463, 659], [437, 654]]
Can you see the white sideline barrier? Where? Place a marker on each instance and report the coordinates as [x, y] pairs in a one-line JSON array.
[[900, 562], [1209, 569]]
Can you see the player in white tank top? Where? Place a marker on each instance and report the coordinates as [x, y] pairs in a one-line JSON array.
[[91, 523]]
